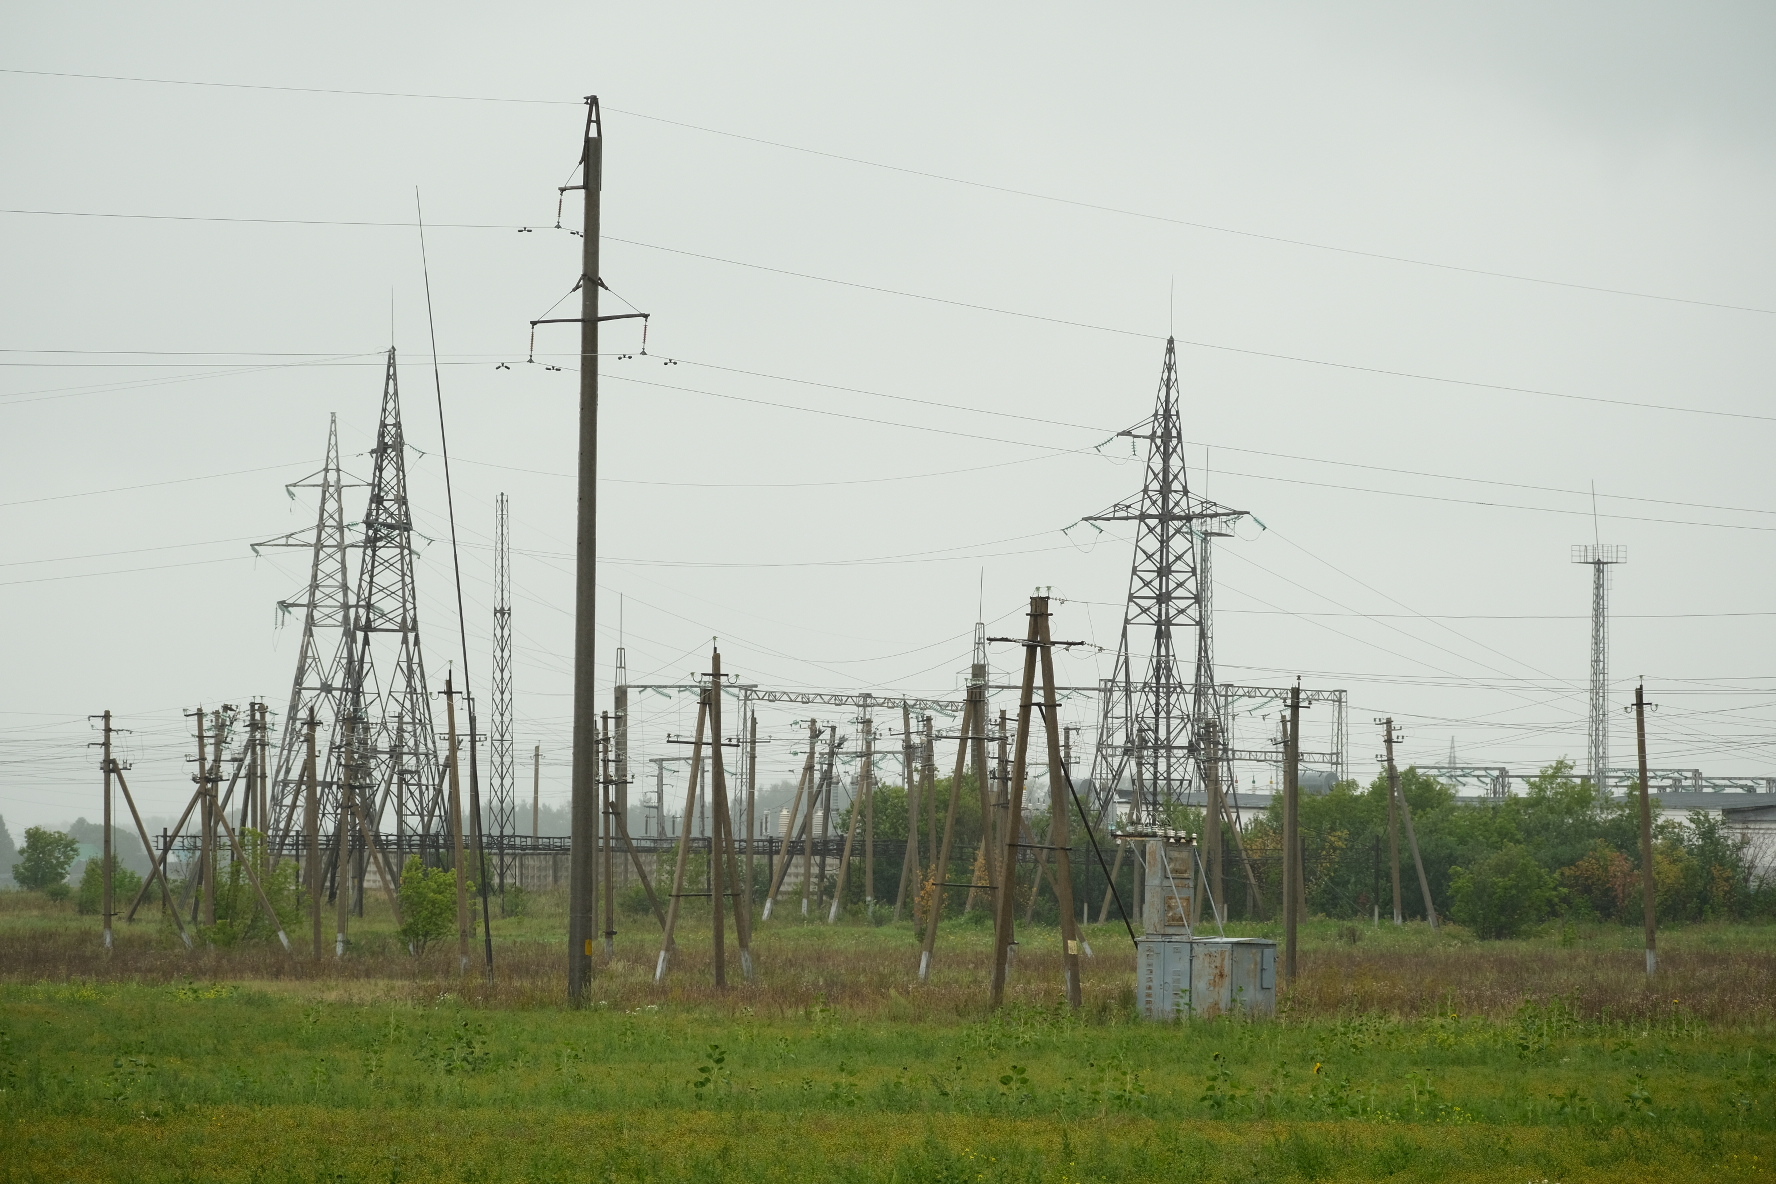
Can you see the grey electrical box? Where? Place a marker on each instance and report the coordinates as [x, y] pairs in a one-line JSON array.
[[1179, 977]]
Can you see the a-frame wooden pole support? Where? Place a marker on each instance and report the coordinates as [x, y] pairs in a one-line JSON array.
[[1038, 649], [796, 813], [684, 841], [973, 724]]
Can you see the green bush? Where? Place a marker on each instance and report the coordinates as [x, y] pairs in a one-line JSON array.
[[45, 860], [1501, 893], [91, 897], [428, 904]]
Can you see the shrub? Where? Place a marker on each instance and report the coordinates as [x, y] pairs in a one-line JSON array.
[[45, 860], [428, 904], [1502, 893], [91, 897]]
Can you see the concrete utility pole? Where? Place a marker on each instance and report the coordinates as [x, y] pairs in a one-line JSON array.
[[582, 887], [1292, 868], [607, 840], [536, 790], [1393, 776], [1649, 889]]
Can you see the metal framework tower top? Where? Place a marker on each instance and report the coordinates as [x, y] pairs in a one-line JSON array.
[[1147, 730], [390, 749], [324, 653]]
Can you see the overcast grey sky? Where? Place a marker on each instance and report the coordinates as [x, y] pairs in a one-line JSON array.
[[1323, 202]]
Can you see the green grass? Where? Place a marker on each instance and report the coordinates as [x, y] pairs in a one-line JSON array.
[[246, 1065]]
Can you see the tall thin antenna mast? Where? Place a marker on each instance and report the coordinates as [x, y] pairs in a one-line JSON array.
[[462, 622], [502, 769], [1600, 557]]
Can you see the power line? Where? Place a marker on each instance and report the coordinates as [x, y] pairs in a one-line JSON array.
[[1042, 318], [986, 186]]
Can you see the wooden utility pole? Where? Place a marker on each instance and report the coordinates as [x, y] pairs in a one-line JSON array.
[[109, 856], [311, 828], [1291, 832], [206, 870], [1038, 646], [536, 791], [582, 887], [1059, 827], [1424, 883], [607, 848], [869, 820], [721, 847], [829, 784], [1649, 889], [798, 821], [718, 797], [684, 840], [456, 833], [1393, 778], [752, 773], [859, 811], [973, 724], [909, 858], [1215, 873]]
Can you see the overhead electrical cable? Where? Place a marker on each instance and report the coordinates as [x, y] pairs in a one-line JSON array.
[[1243, 351], [929, 175]]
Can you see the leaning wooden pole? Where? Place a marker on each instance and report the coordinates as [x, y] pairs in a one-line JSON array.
[[795, 811], [1005, 922], [684, 841], [1060, 825], [940, 867]]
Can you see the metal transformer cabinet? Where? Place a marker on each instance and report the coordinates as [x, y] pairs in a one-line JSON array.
[[1180, 977]]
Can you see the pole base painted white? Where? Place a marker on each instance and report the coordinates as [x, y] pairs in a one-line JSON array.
[[660, 969], [769, 904], [924, 966], [338, 945], [746, 964]]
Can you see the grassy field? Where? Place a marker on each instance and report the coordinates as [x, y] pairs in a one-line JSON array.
[[1400, 1055]]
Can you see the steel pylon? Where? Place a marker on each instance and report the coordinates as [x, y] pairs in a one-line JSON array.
[[388, 748], [324, 653], [1146, 751]]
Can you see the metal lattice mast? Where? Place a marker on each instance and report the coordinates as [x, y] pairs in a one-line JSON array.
[[1600, 557], [324, 651], [389, 746], [1151, 725], [504, 772]]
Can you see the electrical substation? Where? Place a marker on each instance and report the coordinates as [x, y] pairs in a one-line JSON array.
[[1120, 810]]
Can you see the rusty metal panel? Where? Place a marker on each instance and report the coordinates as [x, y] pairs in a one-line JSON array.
[[1169, 866], [1180, 977]]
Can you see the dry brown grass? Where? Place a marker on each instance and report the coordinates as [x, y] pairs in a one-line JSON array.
[[1718, 976]]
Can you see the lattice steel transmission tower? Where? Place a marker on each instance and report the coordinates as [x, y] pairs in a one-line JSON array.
[[504, 780], [1148, 730], [1600, 557], [389, 749], [324, 653]]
